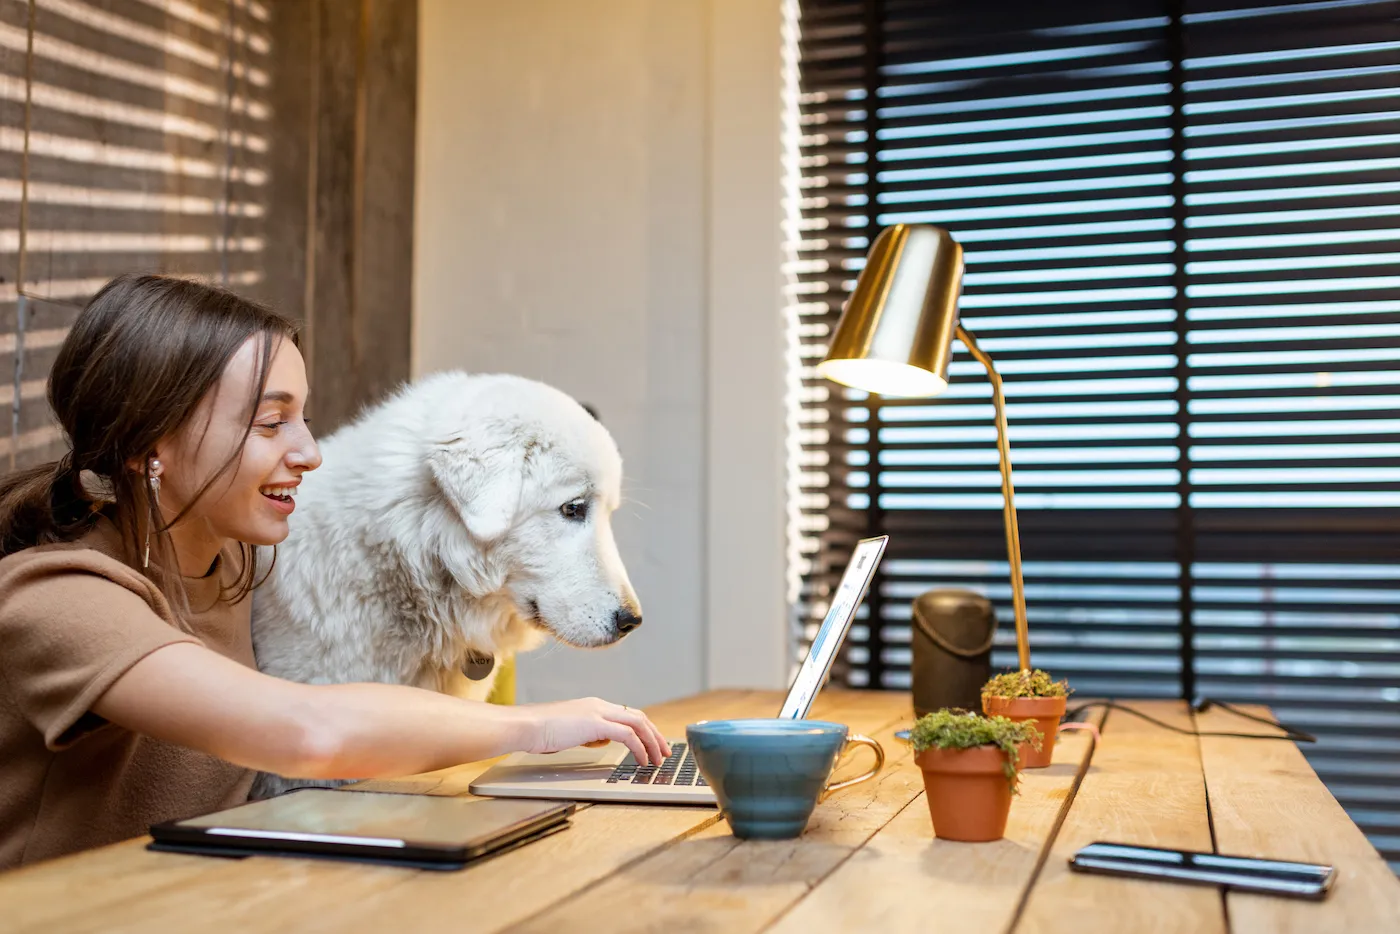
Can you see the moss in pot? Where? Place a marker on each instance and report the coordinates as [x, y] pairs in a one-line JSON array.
[[971, 768], [1029, 697]]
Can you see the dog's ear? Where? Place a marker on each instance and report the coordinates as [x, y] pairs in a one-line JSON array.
[[483, 483]]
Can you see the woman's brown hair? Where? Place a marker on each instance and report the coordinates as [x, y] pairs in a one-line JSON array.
[[133, 370]]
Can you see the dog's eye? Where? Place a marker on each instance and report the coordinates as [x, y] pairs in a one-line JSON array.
[[576, 511]]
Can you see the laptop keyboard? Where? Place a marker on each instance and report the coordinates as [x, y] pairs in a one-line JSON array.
[[678, 769]]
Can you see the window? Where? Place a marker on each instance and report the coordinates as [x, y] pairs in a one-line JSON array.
[[133, 137], [1182, 228]]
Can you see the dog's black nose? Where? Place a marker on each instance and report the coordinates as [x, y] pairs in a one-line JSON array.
[[625, 620]]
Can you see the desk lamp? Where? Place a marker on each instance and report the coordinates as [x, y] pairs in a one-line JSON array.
[[896, 338]]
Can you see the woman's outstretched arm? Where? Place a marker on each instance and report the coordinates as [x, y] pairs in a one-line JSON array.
[[191, 696]]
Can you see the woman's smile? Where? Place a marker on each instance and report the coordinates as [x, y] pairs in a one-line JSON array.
[[280, 496]]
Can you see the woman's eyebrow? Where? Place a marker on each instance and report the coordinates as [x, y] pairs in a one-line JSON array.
[[276, 395]]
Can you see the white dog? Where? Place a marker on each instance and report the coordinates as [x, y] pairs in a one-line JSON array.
[[457, 523]]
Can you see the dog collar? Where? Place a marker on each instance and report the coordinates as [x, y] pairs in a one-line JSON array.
[[478, 667]]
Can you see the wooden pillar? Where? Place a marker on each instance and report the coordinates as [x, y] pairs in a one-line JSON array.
[[340, 225]]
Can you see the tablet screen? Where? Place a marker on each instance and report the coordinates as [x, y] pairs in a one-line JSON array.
[[372, 819]]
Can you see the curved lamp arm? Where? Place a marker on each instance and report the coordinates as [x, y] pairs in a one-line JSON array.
[[1013, 534]]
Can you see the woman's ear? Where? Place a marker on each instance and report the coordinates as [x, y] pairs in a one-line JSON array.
[[148, 466]]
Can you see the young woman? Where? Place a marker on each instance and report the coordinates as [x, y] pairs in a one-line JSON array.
[[128, 693]]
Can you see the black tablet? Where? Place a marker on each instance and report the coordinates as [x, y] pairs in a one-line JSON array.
[[399, 829]]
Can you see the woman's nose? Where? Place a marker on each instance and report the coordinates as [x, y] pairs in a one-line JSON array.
[[306, 456]]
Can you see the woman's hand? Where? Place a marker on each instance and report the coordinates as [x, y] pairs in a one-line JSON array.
[[591, 721]]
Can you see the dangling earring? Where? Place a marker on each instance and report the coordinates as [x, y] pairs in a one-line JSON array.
[[153, 479]]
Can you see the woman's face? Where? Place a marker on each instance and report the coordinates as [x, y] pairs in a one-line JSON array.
[[251, 502]]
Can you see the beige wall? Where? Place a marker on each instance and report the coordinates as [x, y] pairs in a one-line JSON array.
[[597, 207]]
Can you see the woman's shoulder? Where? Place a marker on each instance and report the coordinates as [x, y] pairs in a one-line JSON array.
[[58, 564], [78, 588]]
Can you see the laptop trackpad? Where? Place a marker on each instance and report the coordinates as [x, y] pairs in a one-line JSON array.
[[579, 762]]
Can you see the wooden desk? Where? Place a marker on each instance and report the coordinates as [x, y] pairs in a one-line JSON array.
[[868, 862]]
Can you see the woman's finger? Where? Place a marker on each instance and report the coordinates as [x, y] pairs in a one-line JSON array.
[[639, 724], [625, 735], [661, 743], [660, 737], [649, 729]]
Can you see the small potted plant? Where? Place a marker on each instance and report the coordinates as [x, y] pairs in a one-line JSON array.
[[1029, 697], [970, 765]]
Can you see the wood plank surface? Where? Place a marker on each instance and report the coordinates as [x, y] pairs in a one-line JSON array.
[[602, 840], [1144, 786], [126, 887], [287, 257], [712, 881], [1266, 801], [868, 861], [357, 264], [42, 896], [931, 884], [301, 895], [380, 326]]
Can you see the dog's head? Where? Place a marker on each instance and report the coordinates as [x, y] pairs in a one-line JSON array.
[[533, 480]]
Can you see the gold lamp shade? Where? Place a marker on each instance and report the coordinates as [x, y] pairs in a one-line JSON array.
[[896, 335], [895, 338]]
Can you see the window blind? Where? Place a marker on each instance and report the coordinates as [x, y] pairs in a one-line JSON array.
[[133, 138], [1181, 235]]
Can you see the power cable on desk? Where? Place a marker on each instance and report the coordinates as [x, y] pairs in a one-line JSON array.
[[1289, 733]]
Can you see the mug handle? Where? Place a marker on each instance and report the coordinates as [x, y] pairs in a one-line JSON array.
[[856, 739]]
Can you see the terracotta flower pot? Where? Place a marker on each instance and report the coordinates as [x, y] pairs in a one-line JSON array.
[[1044, 712], [968, 795]]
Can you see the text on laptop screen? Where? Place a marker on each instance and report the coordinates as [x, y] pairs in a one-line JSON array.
[[832, 633]]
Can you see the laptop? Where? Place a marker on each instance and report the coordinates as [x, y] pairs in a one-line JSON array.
[[611, 773]]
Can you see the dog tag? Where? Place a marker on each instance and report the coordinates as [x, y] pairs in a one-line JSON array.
[[478, 667]]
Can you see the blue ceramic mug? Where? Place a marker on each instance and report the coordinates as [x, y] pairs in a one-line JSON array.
[[769, 774]]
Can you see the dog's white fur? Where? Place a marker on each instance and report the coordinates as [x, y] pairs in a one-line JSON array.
[[434, 528]]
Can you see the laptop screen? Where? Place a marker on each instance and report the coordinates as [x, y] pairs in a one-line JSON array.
[[827, 642]]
